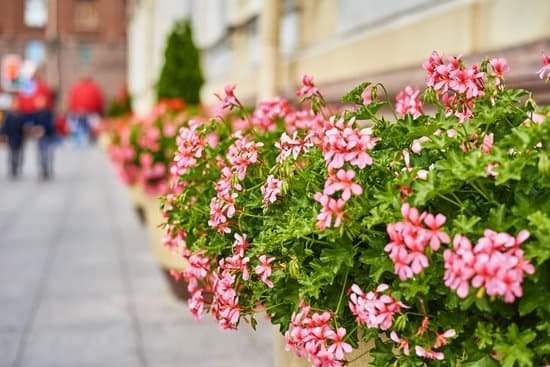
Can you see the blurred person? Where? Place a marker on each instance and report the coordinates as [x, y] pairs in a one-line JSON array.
[[85, 106], [13, 129], [35, 103]]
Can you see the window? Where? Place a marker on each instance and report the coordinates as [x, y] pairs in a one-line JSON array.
[[218, 60], [254, 44], [289, 33], [353, 14], [86, 17], [35, 51], [36, 13], [85, 53]]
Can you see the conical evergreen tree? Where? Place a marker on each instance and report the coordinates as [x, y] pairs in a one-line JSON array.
[[181, 75]]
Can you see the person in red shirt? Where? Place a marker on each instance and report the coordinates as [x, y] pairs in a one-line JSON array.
[[85, 104], [35, 105]]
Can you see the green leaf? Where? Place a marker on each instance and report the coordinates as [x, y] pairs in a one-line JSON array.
[[486, 361]]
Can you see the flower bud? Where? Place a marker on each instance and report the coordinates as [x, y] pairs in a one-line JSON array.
[[293, 268], [544, 164]]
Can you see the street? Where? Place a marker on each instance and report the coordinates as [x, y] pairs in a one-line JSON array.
[[79, 285]]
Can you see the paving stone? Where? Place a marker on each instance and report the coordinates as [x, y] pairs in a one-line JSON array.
[[75, 346], [8, 348], [79, 285]]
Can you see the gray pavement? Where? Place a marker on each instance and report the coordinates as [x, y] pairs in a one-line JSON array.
[[79, 286]]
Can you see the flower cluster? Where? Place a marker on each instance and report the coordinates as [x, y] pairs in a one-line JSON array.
[[409, 240], [241, 154], [407, 101], [495, 263], [456, 85], [142, 149], [291, 146], [311, 335], [374, 309], [268, 112], [271, 189], [341, 143], [190, 147], [308, 89], [332, 198]]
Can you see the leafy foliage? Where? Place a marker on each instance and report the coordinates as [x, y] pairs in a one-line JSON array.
[[181, 75], [319, 266]]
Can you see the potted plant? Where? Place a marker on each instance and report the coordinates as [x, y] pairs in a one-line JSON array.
[[419, 239]]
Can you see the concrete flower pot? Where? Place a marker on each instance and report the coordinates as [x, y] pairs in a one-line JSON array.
[[138, 200], [289, 359], [165, 258]]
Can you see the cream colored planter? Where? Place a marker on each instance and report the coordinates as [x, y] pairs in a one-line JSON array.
[[104, 141], [153, 217], [137, 196], [289, 359]]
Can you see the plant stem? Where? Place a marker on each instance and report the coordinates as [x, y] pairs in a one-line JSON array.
[[388, 100], [449, 200], [358, 357], [342, 292]]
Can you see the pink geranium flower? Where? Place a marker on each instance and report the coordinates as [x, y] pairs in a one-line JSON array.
[[544, 71], [339, 346], [401, 343], [264, 269], [228, 101], [308, 89], [407, 101], [271, 190], [429, 354], [366, 96], [343, 181]]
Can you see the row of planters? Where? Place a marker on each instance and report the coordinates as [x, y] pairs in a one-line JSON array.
[[420, 239], [141, 150]]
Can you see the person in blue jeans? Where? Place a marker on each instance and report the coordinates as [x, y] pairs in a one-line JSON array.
[[45, 120], [13, 129]]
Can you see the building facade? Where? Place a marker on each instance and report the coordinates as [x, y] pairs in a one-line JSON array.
[[264, 46], [344, 42], [71, 38]]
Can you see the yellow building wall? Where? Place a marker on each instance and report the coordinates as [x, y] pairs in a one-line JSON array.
[[456, 27]]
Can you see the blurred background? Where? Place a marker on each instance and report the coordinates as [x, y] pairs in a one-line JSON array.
[[79, 285]]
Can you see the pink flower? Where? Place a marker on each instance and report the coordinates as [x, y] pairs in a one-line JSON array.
[[401, 343], [544, 71], [264, 269], [240, 245], [342, 142], [291, 147], [416, 146], [434, 224], [490, 169], [409, 239], [271, 190], [310, 335], [228, 101], [343, 181], [308, 89], [496, 263], [429, 354], [407, 101], [374, 309], [269, 112], [488, 141], [441, 339], [458, 265], [500, 67], [366, 95], [338, 346], [329, 208]]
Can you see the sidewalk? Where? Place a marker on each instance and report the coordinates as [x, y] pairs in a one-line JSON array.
[[79, 286]]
